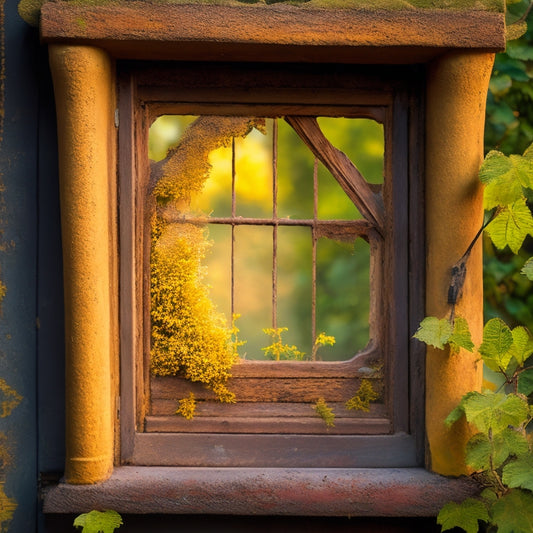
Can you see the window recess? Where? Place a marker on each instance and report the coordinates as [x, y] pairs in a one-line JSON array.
[[271, 200]]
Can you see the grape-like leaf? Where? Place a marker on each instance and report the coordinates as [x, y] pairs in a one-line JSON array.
[[511, 226], [465, 515], [528, 152], [515, 30], [513, 512], [434, 331], [494, 412], [482, 453], [523, 168], [522, 346], [527, 269], [509, 443], [478, 452], [525, 382], [519, 473], [461, 337], [496, 345], [502, 186], [456, 414], [98, 522]]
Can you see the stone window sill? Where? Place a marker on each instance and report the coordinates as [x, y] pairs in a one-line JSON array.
[[384, 492]]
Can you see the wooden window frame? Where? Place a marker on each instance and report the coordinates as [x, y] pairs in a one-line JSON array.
[[384, 94]]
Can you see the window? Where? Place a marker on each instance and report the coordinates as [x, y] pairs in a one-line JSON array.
[[313, 119]]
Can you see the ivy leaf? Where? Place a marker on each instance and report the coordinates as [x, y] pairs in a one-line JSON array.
[[522, 347], [465, 515], [98, 522], [509, 443], [435, 332], [516, 30], [496, 345], [525, 382], [494, 412], [482, 454], [527, 269], [478, 452], [519, 473], [502, 186], [461, 337], [511, 226], [513, 512], [523, 168]]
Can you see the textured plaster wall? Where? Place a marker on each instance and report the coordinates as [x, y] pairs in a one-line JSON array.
[[29, 9]]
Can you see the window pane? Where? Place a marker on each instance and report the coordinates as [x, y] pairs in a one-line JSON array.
[[285, 272]]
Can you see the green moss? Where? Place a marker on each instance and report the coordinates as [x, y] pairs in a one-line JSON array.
[[30, 10]]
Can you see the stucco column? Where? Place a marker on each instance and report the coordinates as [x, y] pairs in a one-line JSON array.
[[83, 85], [456, 95]]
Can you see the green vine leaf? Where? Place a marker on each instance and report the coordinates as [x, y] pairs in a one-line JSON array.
[[435, 332], [439, 332], [519, 473], [500, 178], [98, 522], [492, 412], [522, 346], [513, 512], [461, 337], [527, 269], [465, 515], [525, 382], [484, 453], [496, 345], [478, 452], [511, 226]]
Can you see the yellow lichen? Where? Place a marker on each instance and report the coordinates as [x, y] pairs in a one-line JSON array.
[[363, 397], [9, 398], [187, 407], [187, 166], [189, 337], [7, 508], [325, 412]]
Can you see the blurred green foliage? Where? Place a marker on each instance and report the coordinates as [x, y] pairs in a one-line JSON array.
[[509, 128]]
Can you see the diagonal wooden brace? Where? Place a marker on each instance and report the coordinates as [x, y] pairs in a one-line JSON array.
[[344, 171]]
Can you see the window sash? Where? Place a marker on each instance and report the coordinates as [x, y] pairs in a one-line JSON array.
[[142, 104]]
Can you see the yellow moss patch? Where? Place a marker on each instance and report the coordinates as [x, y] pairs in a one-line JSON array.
[[187, 407], [9, 398], [363, 397], [30, 10], [187, 166], [189, 337], [7, 508]]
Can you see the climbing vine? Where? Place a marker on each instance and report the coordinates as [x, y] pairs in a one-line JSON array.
[[501, 451]]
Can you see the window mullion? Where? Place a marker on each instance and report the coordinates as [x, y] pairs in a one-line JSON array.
[[275, 226]]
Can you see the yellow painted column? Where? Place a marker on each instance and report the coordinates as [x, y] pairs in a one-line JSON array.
[[456, 95], [83, 85]]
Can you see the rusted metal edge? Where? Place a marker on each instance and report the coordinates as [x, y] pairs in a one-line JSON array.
[[387, 492], [138, 23]]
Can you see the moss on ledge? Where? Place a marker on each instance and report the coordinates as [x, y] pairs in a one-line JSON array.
[[29, 10]]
